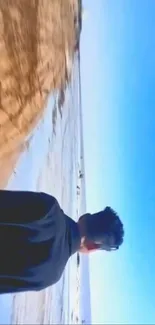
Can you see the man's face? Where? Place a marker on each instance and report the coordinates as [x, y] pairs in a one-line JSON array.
[[107, 244], [88, 246]]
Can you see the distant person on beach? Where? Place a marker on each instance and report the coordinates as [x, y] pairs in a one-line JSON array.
[[37, 238], [81, 174]]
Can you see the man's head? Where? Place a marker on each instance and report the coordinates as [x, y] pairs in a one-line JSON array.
[[102, 230]]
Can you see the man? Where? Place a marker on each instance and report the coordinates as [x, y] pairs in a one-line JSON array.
[[37, 239]]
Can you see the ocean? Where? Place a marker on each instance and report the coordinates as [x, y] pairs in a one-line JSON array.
[[53, 163]]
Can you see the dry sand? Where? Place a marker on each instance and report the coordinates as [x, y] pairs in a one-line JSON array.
[[35, 36]]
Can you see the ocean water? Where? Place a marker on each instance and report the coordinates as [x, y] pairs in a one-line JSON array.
[[52, 163]]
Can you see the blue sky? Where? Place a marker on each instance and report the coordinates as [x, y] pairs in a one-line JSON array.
[[118, 73]]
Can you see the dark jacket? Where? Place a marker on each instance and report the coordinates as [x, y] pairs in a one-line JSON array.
[[36, 241]]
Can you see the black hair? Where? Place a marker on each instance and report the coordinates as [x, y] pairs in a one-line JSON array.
[[103, 225], [114, 226]]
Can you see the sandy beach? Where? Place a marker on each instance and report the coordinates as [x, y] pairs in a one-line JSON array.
[[52, 163], [41, 142]]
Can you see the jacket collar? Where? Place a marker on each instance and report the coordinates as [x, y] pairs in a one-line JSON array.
[[74, 236]]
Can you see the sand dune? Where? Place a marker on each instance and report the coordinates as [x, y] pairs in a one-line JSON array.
[[35, 36]]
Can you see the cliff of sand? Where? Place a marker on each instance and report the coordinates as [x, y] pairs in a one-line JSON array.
[[35, 36]]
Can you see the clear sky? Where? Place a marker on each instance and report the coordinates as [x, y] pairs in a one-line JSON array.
[[118, 84]]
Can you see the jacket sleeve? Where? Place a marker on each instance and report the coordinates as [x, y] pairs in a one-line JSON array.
[[24, 207]]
